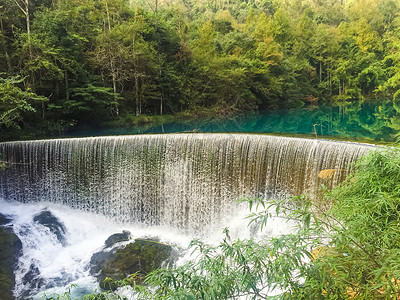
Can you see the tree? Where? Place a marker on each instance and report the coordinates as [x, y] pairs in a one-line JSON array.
[[223, 57], [24, 6], [14, 102], [125, 54], [89, 102], [392, 61]]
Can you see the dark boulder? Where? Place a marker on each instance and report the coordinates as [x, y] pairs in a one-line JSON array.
[[32, 278], [47, 219], [140, 257], [5, 220], [117, 238], [10, 250]]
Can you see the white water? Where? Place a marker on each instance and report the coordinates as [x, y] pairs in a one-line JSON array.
[[62, 265], [178, 185], [186, 181], [86, 233]]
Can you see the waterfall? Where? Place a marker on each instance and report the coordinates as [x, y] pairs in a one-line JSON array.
[[187, 181]]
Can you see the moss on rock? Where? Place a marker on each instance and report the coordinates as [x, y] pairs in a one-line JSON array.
[[140, 257], [10, 249]]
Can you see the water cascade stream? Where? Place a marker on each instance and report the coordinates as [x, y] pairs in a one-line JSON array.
[[187, 183]]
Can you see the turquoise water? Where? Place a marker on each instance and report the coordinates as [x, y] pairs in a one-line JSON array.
[[358, 121]]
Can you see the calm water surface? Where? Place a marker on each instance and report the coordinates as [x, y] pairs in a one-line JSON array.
[[377, 122]]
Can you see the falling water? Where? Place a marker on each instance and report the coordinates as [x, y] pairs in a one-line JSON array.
[[186, 181], [48, 265]]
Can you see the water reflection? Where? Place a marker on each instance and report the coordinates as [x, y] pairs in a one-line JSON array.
[[359, 121]]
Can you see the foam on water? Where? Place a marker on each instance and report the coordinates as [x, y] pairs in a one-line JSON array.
[[185, 181], [59, 265], [86, 233], [172, 187]]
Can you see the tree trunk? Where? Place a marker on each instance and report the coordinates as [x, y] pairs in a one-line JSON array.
[[140, 99], [320, 71], [28, 27], [43, 110], [137, 93], [66, 86], [113, 71], [330, 82], [8, 61], [161, 103], [108, 17], [155, 13], [28, 22], [114, 79]]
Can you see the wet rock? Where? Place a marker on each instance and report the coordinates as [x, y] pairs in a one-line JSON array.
[[109, 250], [4, 220], [99, 259], [32, 278], [47, 219], [117, 237], [141, 257], [10, 250]]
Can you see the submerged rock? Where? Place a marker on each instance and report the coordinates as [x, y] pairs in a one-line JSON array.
[[141, 257], [10, 250], [47, 219]]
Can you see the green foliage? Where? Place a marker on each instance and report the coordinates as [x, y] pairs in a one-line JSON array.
[[14, 102], [350, 249], [344, 246], [367, 206], [88, 99], [227, 57]]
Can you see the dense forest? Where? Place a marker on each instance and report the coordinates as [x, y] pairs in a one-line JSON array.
[[66, 63]]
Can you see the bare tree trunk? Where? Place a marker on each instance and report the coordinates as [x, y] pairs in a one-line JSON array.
[[320, 71], [155, 13], [330, 78], [66, 86], [8, 61], [140, 100], [161, 103], [114, 79], [113, 71], [28, 27], [108, 17], [28, 22], [25, 10], [134, 34], [137, 93]]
